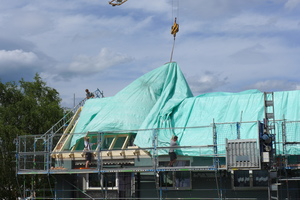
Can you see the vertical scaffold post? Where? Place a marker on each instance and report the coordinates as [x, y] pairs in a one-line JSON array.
[[99, 158], [24, 143], [238, 130], [154, 159], [238, 126], [215, 141], [284, 141], [34, 152], [154, 144], [16, 141], [285, 156], [216, 158], [48, 148]]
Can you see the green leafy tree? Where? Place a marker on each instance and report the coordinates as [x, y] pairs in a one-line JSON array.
[[26, 108]]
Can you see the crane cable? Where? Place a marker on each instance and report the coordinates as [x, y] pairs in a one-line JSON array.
[[174, 31]]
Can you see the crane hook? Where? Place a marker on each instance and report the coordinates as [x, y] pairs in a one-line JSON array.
[[175, 28]]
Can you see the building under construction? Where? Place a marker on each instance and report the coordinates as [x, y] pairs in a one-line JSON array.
[[231, 145]]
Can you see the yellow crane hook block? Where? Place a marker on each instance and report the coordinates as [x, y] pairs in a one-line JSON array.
[[175, 28]]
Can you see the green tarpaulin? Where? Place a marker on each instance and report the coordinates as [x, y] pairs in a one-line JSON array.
[[162, 99]]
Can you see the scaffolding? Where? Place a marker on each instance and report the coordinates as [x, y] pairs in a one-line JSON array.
[[116, 154], [231, 164]]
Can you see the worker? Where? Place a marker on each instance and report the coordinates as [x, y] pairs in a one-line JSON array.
[[87, 150], [172, 154], [89, 94]]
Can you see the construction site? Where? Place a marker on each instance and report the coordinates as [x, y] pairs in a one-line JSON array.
[[230, 145]]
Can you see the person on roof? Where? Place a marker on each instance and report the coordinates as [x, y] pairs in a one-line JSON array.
[[87, 149], [89, 94], [172, 154]]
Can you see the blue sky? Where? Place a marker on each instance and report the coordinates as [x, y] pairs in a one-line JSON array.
[[222, 45]]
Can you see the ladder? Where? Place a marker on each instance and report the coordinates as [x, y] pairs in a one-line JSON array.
[[270, 124], [270, 130], [67, 118]]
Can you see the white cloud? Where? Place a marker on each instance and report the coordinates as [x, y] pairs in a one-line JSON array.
[[154, 6], [213, 10], [114, 25], [221, 46], [259, 23], [251, 55], [16, 59], [31, 23], [275, 85], [17, 64], [291, 4], [87, 65], [242, 25], [206, 82]]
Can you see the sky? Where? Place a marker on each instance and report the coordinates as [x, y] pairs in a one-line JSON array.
[[221, 46]]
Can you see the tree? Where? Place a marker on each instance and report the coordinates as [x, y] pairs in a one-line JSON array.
[[26, 108]]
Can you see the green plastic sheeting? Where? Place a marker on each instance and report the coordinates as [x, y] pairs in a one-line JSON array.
[[162, 99], [137, 104], [203, 110]]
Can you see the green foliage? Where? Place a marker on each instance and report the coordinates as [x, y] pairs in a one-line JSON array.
[[26, 108]]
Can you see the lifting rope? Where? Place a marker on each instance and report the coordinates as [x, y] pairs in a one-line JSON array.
[[118, 2]]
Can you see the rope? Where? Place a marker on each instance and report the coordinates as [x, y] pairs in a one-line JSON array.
[[172, 50], [175, 8]]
